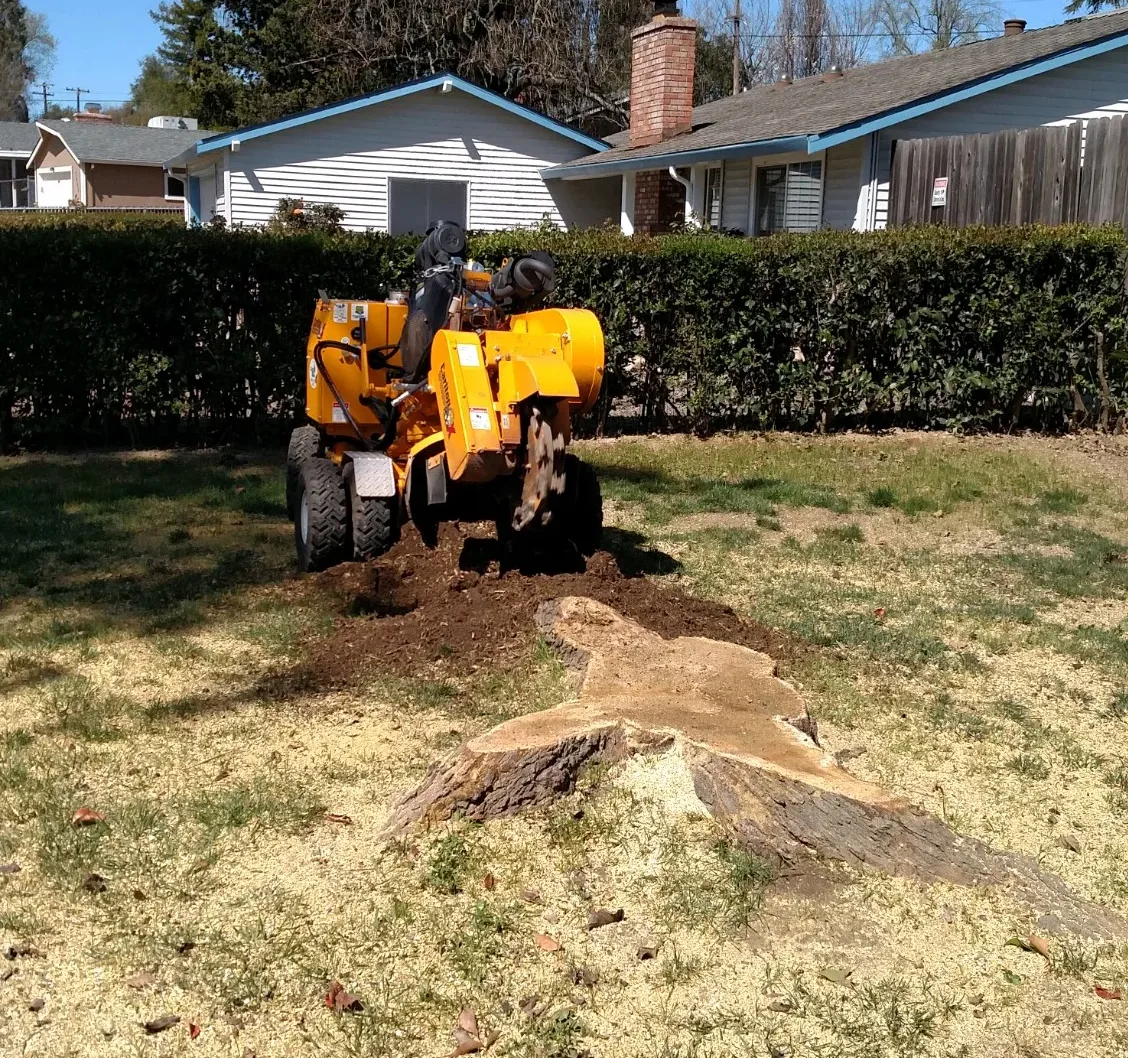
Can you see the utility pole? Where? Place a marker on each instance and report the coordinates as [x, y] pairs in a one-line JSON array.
[[78, 98], [44, 85], [736, 47]]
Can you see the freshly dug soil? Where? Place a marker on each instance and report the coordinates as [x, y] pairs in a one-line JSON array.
[[455, 607]]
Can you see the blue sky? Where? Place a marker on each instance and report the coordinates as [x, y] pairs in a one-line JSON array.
[[102, 44]]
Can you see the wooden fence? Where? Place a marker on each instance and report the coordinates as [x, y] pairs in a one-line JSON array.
[[1048, 175]]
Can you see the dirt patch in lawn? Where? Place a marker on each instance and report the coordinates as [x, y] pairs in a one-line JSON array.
[[457, 608]]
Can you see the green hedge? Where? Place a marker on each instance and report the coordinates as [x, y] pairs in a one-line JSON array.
[[148, 333]]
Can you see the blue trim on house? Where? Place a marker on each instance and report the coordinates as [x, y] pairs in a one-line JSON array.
[[780, 145], [193, 200], [833, 137], [215, 143]]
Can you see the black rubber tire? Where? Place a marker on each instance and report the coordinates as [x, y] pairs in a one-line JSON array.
[[582, 509], [375, 522], [322, 536], [305, 443]]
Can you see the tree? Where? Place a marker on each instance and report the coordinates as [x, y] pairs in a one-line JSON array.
[[26, 52], [156, 91], [1092, 6], [921, 25]]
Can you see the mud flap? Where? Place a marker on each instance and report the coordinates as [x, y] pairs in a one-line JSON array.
[[373, 474]]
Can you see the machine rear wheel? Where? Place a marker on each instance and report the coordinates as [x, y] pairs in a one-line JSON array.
[[305, 443], [582, 509], [375, 522], [321, 521]]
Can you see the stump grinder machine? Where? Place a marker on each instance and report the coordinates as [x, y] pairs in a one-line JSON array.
[[453, 404]]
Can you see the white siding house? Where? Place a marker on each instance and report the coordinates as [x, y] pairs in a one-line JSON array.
[[817, 153], [397, 160]]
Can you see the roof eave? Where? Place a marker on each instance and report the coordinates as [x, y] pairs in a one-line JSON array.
[[225, 139], [968, 90], [751, 149]]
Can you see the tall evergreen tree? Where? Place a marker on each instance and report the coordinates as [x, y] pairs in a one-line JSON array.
[[15, 69]]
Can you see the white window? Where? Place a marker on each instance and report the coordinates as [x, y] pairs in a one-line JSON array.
[[788, 197], [415, 205], [174, 186], [711, 213], [16, 190]]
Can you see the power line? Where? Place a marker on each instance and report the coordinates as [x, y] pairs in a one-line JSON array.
[[78, 93]]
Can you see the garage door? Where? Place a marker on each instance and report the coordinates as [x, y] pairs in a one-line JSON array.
[[54, 188]]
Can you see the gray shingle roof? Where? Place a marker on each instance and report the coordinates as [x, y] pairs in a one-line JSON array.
[[813, 105], [17, 136], [123, 144]]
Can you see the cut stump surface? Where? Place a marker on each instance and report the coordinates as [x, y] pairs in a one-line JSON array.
[[739, 727]]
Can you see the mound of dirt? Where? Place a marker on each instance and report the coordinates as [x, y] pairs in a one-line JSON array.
[[456, 607]]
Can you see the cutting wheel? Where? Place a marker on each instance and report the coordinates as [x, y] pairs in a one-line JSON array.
[[544, 474]]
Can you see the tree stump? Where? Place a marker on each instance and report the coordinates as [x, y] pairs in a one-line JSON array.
[[748, 739]]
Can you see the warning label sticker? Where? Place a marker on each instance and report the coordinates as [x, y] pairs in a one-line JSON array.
[[313, 374], [339, 413], [340, 312], [479, 419], [360, 310], [469, 355]]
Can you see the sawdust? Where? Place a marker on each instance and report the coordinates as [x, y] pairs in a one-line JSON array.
[[454, 609]]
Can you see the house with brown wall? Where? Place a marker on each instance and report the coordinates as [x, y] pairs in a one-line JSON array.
[[90, 161]]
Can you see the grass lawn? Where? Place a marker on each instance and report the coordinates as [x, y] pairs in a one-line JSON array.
[[968, 605]]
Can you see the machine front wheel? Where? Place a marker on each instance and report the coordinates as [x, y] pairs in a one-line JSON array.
[[375, 522], [321, 519], [305, 443]]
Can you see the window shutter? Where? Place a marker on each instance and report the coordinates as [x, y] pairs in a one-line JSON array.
[[804, 197]]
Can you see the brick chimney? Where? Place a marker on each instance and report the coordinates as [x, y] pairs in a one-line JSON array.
[[93, 116], [662, 54], [1012, 27]]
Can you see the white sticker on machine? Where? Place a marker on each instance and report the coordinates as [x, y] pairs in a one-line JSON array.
[[313, 374], [479, 419], [469, 355], [340, 312], [338, 413], [360, 310]]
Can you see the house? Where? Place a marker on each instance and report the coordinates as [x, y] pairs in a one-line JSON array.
[[92, 162], [17, 141], [396, 160], [816, 153]]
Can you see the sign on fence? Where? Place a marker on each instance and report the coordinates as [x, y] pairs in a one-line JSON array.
[[940, 191]]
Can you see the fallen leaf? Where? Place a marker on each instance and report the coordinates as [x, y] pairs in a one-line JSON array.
[[338, 1000], [1011, 977], [531, 896], [1018, 942], [193, 1030], [468, 1021], [546, 943], [240, 489], [139, 894], [491, 1039], [603, 917], [336, 817], [490, 882], [585, 975], [248, 1053], [464, 1043], [94, 883], [37, 1005], [879, 613], [529, 1004], [1039, 945], [141, 980], [86, 817], [1107, 993], [185, 946], [1068, 841], [166, 1021], [647, 951], [781, 1004], [836, 975], [9, 868]]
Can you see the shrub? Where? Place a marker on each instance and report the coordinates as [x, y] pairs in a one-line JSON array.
[[129, 329]]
